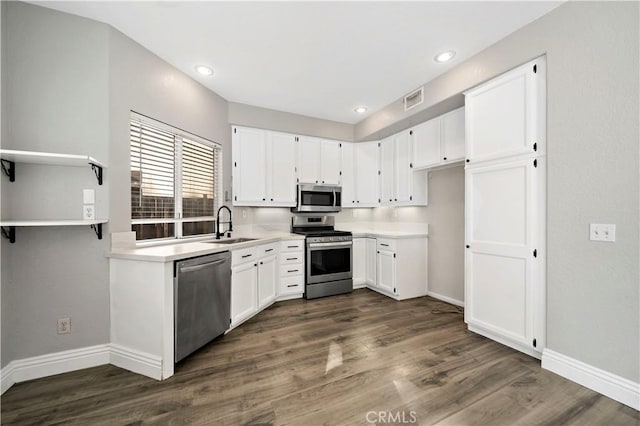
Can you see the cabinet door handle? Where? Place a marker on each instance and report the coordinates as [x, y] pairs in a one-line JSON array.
[[292, 270], [386, 245], [292, 258], [268, 250], [255, 264], [262, 263], [292, 285], [445, 158], [246, 255]]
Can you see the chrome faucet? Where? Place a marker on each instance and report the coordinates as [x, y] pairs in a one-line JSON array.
[[218, 233]]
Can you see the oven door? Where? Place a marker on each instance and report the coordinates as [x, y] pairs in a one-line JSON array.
[[329, 261]]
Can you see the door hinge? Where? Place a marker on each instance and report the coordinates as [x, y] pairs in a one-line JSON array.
[[535, 343], [235, 164], [378, 172], [340, 172], [235, 197], [378, 200], [297, 180], [535, 70], [340, 145], [297, 140], [535, 163], [234, 131], [394, 289], [411, 132], [295, 169], [229, 320], [535, 252], [378, 144], [394, 255], [535, 146], [410, 197]]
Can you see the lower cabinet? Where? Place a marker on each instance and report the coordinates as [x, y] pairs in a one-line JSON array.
[[267, 281], [364, 262], [244, 291], [401, 267], [254, 280], [291, 269]]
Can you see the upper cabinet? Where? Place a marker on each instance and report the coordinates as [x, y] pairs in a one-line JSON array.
[[518, 98], [319, 160], [439, 141], [360, 179], [400, 184], [264, 168]]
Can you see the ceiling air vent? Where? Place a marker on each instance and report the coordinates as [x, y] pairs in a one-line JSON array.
[[413, 99]]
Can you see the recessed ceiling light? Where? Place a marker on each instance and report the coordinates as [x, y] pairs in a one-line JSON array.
[[361, 109], [445, 56], [204, 70]]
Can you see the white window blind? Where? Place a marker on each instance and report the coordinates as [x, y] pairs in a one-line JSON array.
[[175, 181]]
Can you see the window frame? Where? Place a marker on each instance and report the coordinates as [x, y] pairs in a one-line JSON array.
[[178, 220]]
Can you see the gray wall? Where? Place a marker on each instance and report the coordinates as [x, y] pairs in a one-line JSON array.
[[142, 82], [592, 131], [263, 118], [55, 96]]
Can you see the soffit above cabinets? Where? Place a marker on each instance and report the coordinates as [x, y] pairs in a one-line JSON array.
[[319, 59]]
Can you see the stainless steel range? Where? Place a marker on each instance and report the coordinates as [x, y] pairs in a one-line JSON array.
[[329, 256]]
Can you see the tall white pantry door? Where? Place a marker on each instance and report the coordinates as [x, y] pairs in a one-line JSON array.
[[505, 210]]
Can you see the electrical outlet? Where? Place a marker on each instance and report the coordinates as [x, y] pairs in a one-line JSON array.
[[64, 325], [602, 232], [88, 212]]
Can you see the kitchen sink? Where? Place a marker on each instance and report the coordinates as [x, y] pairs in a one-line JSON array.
[[231, 241]]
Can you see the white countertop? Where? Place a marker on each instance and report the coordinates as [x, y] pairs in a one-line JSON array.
[[124, 247], [182, 250]]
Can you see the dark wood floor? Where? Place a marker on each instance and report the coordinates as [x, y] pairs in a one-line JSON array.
[[352, 359]]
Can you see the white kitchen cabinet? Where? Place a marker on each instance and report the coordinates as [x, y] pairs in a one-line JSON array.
[[452, 136], [506, 116], [254, 280], [360, 179], [505, 212], [370, 251], [244, 291], [319, 160], [264, 168], [401, 185], [401, 267], [349, 175], [367, 174], [359, 262], [292, 268], [267, 280], [439, 141], [426, 144]]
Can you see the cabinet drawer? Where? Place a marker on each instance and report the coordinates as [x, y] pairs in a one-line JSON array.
[[291, 257], [386, 244], [267, 249], [292, 284], [244, 255], [292, 245], [291, 270]]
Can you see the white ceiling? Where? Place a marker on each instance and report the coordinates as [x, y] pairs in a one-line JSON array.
[[320, 59]]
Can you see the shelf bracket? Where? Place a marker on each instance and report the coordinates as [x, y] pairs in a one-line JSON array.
[[98, 229], [9, 169], [9, 232], [98, 171]]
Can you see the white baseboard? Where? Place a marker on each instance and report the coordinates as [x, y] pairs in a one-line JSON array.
[[50, 364], [478, 329], [615, 387], [446, 298], [136, 361]]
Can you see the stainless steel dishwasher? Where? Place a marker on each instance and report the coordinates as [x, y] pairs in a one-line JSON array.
[[202, 299]]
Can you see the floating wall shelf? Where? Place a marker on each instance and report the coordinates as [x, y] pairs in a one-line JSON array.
[[9, 226], [9, 158]]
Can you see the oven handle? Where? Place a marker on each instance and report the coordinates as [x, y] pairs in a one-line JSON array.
[[318, 245]]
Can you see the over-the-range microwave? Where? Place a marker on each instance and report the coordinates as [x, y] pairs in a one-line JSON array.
[[314, 198]]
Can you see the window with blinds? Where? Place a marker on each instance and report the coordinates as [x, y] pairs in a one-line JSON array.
[[175, 181]]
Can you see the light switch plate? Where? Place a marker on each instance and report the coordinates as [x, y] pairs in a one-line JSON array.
[[602, 232], [88, 212], [88, 196]]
